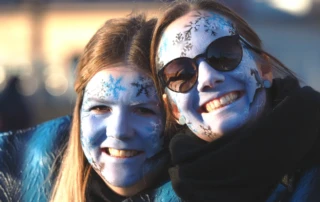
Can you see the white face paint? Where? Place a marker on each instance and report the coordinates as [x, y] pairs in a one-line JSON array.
[[121, 125], [219, 102]]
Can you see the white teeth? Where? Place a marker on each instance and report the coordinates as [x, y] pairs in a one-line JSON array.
[[122, 153], [222, 101]]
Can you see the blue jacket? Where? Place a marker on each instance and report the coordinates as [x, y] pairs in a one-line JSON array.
[[26, 157]]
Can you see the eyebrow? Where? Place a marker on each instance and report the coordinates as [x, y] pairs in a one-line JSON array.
[[155, 103], [133, 103], [94, 99]]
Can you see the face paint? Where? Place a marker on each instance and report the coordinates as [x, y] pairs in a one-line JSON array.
[[219, 102], [121, 125]]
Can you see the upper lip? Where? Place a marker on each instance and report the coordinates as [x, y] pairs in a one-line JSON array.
[[218, 96]]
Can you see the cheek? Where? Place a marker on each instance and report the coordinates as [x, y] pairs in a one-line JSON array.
[[92, 129], [152, 136], [184, 101], [245, 72]]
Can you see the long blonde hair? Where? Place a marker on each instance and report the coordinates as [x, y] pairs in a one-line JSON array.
[[125, 40]]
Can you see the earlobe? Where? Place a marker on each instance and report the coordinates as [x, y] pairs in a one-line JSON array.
[[173, 107]]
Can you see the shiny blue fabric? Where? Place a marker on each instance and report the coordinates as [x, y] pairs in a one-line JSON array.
[[306, 188], [26, 157]]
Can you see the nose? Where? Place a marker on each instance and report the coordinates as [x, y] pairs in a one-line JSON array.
[[119, 126], [208, 77]]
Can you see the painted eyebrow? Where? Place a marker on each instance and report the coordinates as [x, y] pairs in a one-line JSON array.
[[94, 99]]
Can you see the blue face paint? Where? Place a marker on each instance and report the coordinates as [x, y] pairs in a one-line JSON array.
[[220, 102], [121, 125]]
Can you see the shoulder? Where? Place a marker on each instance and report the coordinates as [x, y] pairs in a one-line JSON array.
[[304, 186], [26, 157], [308, 186]]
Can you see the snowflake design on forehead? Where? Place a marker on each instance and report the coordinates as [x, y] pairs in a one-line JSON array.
[[90, 92], [143, 85], [113, 87], [187, 47], [200, 17], [183, 39], [192, 26], [179, 39], [210, 27], [210, 24]]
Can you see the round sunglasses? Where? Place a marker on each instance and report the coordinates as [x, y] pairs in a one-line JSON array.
[[223, 54]]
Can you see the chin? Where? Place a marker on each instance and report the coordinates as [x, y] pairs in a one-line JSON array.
[[126, 180], [229, 125]]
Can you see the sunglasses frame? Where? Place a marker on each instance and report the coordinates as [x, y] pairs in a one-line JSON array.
[[239, 37]]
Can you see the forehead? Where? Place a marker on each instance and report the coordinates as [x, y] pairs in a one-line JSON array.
[[190, 34], [121, 84]]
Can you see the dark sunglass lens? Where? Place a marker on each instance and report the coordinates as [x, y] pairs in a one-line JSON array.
[[225, 53], [180, 75]]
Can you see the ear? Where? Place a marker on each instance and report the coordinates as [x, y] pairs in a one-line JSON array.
[[173, 107], [266, 68]]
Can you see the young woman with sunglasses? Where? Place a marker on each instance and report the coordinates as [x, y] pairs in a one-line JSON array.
[[252, 132], [117, 148]]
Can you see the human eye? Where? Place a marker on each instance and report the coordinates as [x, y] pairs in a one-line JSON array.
[[144, 111], [181, 76], [100, 109]]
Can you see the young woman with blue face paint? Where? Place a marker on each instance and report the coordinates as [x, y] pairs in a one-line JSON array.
[[116, 148], [245, 113]]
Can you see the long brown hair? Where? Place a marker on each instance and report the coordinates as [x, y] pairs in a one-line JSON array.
[[125, 40], [180, 8]]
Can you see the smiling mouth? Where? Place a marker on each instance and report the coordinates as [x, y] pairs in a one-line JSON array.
[[119, 153], [221, 101]]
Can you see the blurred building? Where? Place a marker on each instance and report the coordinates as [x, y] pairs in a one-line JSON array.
[[41, 40]]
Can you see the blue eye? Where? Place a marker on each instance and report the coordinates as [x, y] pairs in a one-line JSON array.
[[100, 109]]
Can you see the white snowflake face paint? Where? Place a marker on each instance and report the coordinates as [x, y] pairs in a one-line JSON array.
[[219, 102], [121, 125]]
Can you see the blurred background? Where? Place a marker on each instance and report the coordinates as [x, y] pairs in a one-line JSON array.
[[41, 40]]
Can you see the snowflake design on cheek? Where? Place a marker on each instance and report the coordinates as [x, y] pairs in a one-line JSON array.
[[143, 85], [232, 30], [97, 167], [113, 87], [255, 73], [159, 63], [85, 149], [156, 127], [207, 131]]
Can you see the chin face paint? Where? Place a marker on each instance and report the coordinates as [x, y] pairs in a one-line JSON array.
[[219, 102], [121, 125]]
